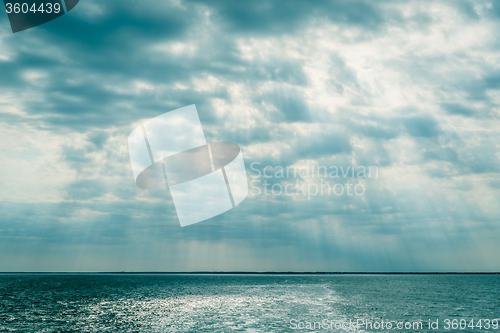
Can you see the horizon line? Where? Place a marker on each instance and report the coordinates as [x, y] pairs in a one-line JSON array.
[[254, 273]]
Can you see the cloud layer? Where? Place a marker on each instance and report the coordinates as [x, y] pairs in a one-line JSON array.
[[412, 88]]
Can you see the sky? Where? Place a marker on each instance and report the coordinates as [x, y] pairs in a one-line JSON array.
[[409, 87]]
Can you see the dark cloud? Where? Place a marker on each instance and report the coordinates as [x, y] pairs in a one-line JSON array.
[[461, 161], [290, 104], [457, 109], [467, 8], [477, 89], [81, 75], [77, 157], [245, 136], [86, 189], [416, 124], [271, 17], [442, 154], [279, 70], [422, 126], [98, 138], [373, 127], [322, 144]]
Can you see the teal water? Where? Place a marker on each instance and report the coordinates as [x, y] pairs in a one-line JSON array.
[[246, 303]]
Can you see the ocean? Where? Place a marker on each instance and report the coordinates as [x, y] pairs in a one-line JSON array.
[[248, 303]]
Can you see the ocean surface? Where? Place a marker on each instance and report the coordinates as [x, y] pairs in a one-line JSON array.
[[248, 303]]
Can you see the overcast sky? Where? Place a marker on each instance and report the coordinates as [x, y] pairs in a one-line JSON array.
[[410, 87]]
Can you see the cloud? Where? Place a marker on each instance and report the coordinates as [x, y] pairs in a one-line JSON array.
[[421, 126], [408, 87], [271, 17], [457, 109], [86, 189], [291, 106]]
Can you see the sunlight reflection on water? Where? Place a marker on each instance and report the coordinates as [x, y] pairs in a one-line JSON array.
[[225, 303]]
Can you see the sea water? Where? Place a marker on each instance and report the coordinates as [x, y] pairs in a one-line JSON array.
[[248, 303]]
